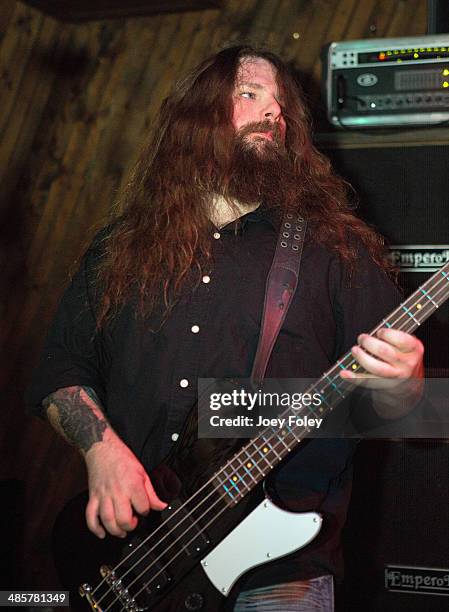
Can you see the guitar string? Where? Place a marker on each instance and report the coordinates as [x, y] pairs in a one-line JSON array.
[[328, 384], [189, 542], [408, 320], [221, 497]]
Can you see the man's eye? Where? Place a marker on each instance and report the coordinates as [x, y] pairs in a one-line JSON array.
[[248, 95]]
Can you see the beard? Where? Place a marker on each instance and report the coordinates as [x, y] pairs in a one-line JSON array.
[[260, 169]]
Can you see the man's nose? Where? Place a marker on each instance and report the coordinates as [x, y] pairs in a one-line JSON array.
[[273, 110]]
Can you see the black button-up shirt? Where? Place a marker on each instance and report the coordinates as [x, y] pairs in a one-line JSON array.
[[146, 374]]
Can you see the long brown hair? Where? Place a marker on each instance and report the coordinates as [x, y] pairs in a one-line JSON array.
[[163, 231]]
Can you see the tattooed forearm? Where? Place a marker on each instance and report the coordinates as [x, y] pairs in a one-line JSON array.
[[75, 412]]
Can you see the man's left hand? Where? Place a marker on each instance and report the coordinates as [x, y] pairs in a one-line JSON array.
[[393, 361]]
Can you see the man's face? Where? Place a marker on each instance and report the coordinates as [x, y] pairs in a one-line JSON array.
[[257, 104]]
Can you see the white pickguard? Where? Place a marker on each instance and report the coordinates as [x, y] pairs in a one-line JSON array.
[[267, 533]]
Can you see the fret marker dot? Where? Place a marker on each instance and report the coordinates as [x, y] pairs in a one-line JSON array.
[[265, 449], [418, 306], [283, 432], [321, 408], [234, 478], [248, 465], [354, 366]]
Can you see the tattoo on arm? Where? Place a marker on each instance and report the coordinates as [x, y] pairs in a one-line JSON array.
[[76, 413]]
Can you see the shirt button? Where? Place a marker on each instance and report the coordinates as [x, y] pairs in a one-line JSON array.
[[216, 235], [184, 383], [206, 279], [174, 437], [195, 329]]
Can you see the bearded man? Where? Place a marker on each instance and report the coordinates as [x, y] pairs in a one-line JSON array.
[[173, 291]]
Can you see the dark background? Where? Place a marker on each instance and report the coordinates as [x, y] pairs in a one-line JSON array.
[[76, 101]]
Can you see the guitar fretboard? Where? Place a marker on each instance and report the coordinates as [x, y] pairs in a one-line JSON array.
[[255, 460]]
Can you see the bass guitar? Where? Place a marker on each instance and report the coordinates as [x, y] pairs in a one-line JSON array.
[[219, 523]]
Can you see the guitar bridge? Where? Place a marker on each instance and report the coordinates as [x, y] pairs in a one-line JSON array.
[[143, 574], [117, 590], [132, 588]]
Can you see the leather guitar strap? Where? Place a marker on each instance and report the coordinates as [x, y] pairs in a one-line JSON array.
[[279, 290]]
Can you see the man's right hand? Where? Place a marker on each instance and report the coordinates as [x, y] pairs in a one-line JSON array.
[[119, 487]]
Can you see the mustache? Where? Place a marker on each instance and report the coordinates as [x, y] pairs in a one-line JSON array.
[[261, 126]]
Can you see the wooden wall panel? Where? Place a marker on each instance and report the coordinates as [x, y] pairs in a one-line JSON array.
[[76, 102]]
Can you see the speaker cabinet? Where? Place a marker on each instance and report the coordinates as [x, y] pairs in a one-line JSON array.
[[397, 521], [398, 517], [404, 192]]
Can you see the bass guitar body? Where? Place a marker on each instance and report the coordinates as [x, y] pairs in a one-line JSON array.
[[192, 555], [219, 524]]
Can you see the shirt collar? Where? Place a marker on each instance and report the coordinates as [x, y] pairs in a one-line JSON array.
[[260, 214]]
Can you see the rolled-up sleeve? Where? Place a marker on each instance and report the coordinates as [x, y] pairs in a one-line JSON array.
[[73, 353]]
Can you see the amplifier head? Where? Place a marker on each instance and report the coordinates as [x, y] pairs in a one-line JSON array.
[[387, 82]]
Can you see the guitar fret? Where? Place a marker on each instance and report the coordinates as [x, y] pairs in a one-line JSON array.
[[407, 311], [231, 483], [426, 293], [265, 459], [326, 398], [266, 448], [251, 462], [291, 431], [267, 451], [420, 312], [231, 480], [280, 438], [241, 479], [249, 474], [274, 444], [237, 472], [271, 447], [334, 386], [312, 410], [225, 487], [228, 491]]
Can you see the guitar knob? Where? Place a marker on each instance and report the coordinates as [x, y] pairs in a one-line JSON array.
[[194, 601]]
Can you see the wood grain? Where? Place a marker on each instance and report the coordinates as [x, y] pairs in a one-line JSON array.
[[77, 101]]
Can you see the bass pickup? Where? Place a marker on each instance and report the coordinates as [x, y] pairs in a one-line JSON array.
[[185, 531]]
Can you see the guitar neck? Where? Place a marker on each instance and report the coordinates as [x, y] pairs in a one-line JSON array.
[[255, 460]]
